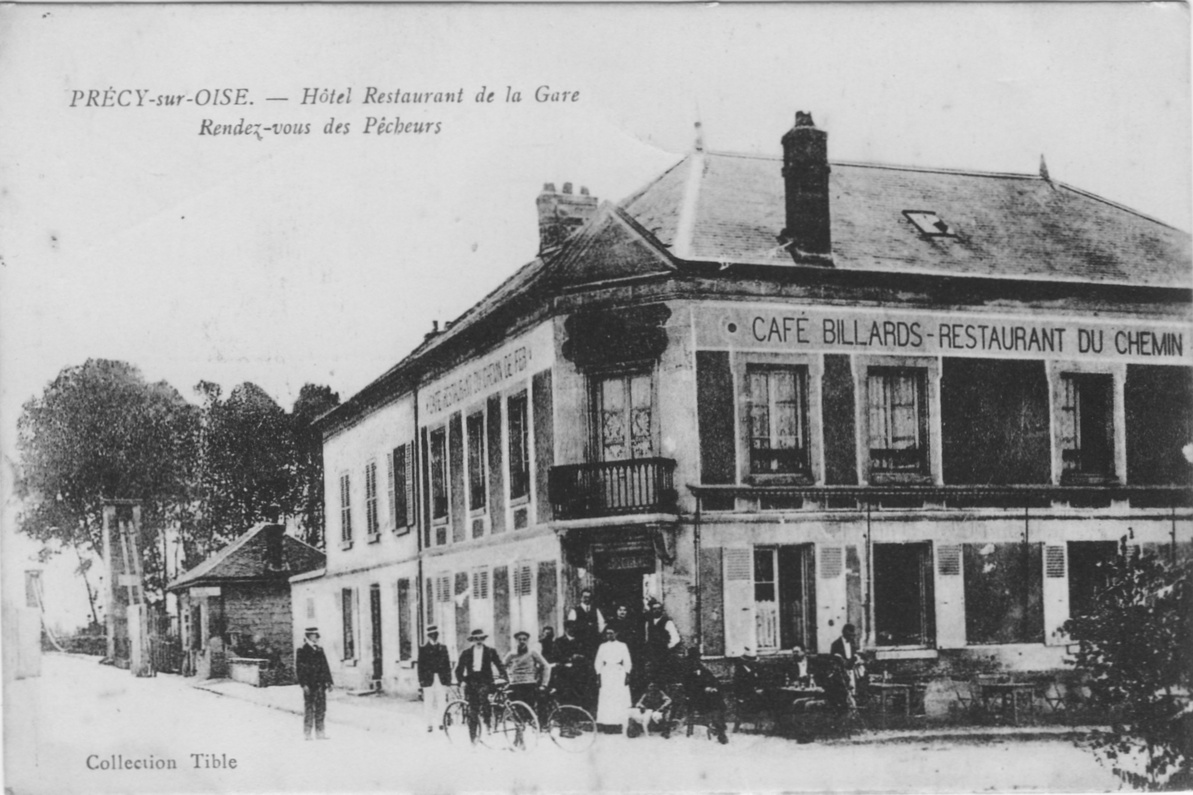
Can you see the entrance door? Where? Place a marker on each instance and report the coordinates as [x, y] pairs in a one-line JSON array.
[[375, 613], [903, 595]]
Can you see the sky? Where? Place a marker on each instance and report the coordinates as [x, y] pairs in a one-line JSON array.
[[126, 234]]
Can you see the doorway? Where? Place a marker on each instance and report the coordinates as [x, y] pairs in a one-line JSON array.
[[904, 599]]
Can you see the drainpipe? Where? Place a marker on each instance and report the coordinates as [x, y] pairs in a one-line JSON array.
[[699, 595], [869, 636], [416, 461]]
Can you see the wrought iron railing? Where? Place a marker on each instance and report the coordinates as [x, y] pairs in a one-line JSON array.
[[613, 488]]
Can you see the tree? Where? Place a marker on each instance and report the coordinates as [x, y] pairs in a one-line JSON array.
[[100, 431], [246, 465], [1134, 651], [313, 401]]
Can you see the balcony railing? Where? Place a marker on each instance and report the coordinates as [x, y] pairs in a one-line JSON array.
[[613, 488]]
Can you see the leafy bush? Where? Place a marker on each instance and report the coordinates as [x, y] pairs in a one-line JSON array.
[[1134, 655]]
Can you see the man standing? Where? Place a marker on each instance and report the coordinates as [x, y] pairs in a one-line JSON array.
[[475, 671], [850, 659], [434, 675], [658, 644], [528, 671], [315, 677], [589, 623]]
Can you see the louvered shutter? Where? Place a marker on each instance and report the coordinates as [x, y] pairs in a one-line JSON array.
[[409, 453], [738, 583], [389, 487]]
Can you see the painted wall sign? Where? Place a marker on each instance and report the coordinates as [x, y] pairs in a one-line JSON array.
[[887, 331], [206, 590], [516, 359]]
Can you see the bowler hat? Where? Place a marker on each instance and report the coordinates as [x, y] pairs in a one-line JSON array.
[[477, 634], [521, 634]]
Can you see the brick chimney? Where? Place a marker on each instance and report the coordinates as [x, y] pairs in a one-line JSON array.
[[275, 559], [805, 179], [561, 214]]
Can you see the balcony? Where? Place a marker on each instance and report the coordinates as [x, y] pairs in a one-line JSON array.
[[613, 488]]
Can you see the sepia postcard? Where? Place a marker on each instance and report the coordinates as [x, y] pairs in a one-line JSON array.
[[596, 397]]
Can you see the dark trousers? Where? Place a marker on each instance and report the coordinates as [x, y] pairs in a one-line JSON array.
[[477, 696], [314, 708], [527, 694]]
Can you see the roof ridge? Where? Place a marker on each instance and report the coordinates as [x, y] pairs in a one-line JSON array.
[[1091, 195], [890, 166], [635, 195], [220, 555]]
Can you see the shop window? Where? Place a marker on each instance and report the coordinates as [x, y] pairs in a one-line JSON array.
[[904, 605], [898, 407], [1089, 570], [439, 475], [624, 416], [345, 509], [372, 526], [475, 429], [784, 597], [1086, 427], [519, 446], [1003, 593], [348, 607], [778, 420]]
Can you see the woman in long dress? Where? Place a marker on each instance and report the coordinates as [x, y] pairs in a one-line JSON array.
[[613, 666]]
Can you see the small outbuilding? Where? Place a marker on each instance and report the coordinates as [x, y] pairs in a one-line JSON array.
[[235, 607]]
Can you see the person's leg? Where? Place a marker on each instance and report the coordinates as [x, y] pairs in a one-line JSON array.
[[473, 694], [320, 709], [308, 711]]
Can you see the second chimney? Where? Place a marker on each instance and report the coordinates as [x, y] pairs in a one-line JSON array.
[[805, 180], [561, 214]]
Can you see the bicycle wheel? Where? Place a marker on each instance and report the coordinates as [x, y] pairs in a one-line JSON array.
[[516, 729], [571, 728], [455, 722]]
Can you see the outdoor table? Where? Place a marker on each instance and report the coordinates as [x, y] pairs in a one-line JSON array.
[[887, 690], [1008, 692]]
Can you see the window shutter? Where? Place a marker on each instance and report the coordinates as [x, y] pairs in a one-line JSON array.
[[1054, 561], [739, 600], [948, 560], [547, 598], [389, 480], [501, 610], [830, 563], [408, 451]]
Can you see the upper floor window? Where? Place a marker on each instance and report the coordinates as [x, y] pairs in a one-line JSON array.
[[345, 509], [372, 525], [898, 408], [624, 416], [1086, 426], [476, 461], [519, 446], [401, 486], [439, 474], [778, 420]]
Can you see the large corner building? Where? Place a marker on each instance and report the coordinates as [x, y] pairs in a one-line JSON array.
[[780, 394]]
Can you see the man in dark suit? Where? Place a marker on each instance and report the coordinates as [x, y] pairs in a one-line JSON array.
[[434, 675], [851, 667], [475, 671], [315, 677]]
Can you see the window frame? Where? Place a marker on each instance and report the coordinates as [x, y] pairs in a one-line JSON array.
[[812, 366], [348, 610], [625, 374], [1058, 371], [345, 480], [525, 475], [930, 422], [471, 458], [372, 515], [437, 476], [802, 466]]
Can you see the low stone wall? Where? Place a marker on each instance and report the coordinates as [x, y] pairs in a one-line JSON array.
[[252, 671]]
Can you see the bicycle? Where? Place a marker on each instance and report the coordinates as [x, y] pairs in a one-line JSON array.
[[570, 727], [503, 725]]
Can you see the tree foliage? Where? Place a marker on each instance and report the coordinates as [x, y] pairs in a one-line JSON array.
[[1134, 651], [207, 473]]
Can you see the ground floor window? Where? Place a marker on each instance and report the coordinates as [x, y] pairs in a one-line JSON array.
[[784, 597], [348, 606], [904, 603], [1088, 571], [1004, 593]]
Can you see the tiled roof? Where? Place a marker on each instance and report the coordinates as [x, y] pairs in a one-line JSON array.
[[245, 558], [1007, 225]]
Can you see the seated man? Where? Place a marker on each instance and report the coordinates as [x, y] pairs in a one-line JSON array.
[[799, 673], [703, 693], [748, 686], [650, 712]]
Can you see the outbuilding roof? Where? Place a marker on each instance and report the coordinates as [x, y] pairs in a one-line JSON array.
[[247, 558], [730, 208]]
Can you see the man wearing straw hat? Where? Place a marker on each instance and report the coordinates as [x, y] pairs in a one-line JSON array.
[[315, 677], [434, 675]]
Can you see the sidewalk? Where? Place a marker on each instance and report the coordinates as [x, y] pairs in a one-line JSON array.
[[391, 714]]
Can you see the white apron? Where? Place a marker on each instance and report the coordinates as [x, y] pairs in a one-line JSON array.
[[613, 667]]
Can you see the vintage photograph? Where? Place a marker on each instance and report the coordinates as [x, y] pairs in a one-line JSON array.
[[596, 398]]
